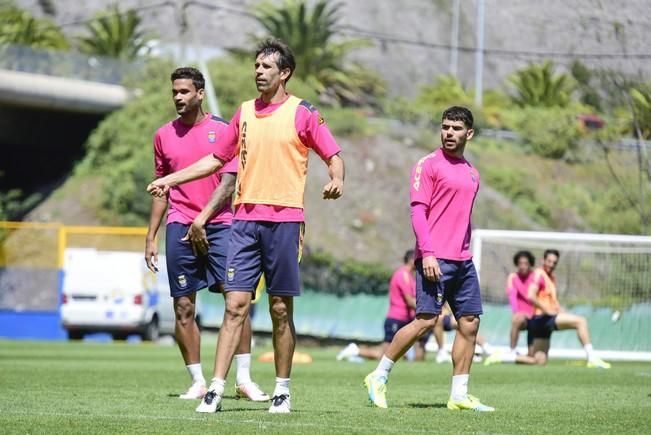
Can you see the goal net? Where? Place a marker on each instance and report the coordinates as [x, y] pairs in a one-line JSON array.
[[605, 277]]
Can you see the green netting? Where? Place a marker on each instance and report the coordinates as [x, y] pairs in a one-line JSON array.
[[361, 317]]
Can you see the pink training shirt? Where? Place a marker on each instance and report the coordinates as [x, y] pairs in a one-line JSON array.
[[313, 133], [443, 192], [517, 288], [177, 145], [402, 283]]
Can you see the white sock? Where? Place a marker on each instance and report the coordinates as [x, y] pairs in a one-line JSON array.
[[508, 357], [589, 352], [195, 373], [384, 367], [459, 387], [243, 362], [282, 386], [217, 385], [488, 349]]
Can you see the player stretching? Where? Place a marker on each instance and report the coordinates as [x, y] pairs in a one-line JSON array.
[[443, 190], [273, 135], [548, 317], [517, 289], [198, 225], [402, 306]]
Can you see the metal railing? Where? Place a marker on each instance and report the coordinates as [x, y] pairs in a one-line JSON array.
[[66, 64]]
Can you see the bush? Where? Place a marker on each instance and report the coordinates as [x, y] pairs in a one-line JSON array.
[[322, 273], [549, 132]]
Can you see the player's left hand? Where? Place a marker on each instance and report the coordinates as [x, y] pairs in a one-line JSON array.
[[334, 189], [197, 236], [158, 188]]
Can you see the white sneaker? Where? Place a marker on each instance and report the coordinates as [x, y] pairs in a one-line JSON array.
[[211, 402], [280, 404], [251, 391], [351, 350], [196, 391], [443, 357]]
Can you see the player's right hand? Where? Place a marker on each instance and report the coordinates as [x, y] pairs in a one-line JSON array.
[[431, 268], [158, 188], [151, 255], [197, 236]]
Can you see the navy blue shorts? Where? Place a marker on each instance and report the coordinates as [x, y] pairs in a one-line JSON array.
[[391, 326], [541, 327], [189, 273], [447, 322], [458, 286], [272, 248]]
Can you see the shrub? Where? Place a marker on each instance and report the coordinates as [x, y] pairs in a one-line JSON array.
[[548, 132]]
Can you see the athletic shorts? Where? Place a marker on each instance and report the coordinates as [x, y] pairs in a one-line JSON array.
[[272, 248], [541, 327], [447, 322], [391, 326], [189, 273], [458, 286]]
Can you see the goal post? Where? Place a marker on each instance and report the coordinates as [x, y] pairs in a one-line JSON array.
[[605, 277]]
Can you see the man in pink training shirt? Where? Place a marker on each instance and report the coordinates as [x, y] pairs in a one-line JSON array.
[[443, 190], [517, 289], [402, 306], [273, 135], [198, 226]]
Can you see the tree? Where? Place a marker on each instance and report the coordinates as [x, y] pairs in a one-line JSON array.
[[539, 86], [321, 61], [115, 34], [640, 104], [19, 27]]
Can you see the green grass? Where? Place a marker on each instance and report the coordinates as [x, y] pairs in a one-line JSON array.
[[130, 388]]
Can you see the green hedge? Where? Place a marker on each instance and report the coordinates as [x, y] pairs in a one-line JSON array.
[[321, 272]]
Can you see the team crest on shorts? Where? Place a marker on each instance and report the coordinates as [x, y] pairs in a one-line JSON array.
[[230, 275], [182, 281], [439, 297], [212, 136]]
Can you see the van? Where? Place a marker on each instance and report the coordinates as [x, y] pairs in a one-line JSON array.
[[114, 292]]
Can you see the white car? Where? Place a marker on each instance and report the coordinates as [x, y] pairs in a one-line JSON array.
[[114, 292]]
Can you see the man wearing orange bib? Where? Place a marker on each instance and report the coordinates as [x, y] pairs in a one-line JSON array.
[[272, 135], [549, 316]]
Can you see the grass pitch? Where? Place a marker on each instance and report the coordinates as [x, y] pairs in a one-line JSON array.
[[130, 388]]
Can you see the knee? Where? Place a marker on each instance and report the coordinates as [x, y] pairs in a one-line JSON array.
[[235, 309], [541, 358], [469, 325], [279, 312], [582, 322], [425, 322], [184, 311]]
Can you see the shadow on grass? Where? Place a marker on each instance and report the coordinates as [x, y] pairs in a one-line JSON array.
[[426, 405]]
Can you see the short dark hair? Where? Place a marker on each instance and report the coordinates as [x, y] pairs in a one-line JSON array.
[[552, 252], [187, 72], [409, 255], [285, 55], [459, 113], [524, 254]]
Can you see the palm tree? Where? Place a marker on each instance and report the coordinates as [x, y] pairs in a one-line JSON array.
[[320, 60], [537, 85], [19, 27], [641, 107], [115, 34]]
